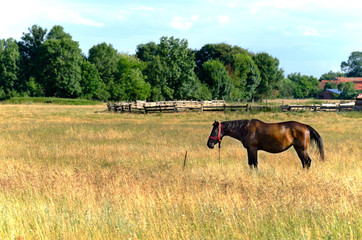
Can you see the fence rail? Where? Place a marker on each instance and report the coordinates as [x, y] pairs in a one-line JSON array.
[[285, 108], [215, 105]]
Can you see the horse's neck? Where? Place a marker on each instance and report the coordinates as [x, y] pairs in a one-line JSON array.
[[234, 129]]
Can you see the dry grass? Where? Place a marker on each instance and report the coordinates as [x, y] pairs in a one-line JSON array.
[[68, 172]]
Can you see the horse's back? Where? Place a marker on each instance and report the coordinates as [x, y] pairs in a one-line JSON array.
[[276, 137], [280, 125]]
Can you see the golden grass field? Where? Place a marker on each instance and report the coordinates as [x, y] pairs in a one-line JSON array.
[[77, 172]]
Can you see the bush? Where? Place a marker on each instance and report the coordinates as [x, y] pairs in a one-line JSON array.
[[50, 100]]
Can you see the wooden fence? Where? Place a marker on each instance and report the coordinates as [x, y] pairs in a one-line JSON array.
[[214, 105], [173, 106], [327, 108]]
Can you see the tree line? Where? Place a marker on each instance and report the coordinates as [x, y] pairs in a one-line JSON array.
[[51, 63]]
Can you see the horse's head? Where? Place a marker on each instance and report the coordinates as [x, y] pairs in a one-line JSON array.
[[216, 134]]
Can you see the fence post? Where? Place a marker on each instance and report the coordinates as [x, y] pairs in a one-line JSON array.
[[202, 105], [175, 107], [144, 107]]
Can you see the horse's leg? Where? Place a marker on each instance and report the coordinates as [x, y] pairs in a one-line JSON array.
[[309, 161], [252, 158], [304, 157]]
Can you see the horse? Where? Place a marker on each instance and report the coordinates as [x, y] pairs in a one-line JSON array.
[[257, 135]]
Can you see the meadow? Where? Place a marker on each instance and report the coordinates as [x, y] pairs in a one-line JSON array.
[[78, 172]]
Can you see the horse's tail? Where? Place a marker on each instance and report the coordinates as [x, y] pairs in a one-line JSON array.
[[314, 136]]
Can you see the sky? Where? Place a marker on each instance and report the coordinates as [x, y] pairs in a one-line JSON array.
[[312, 37]]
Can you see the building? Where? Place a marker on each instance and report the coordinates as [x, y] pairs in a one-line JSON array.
[[329, 94], [359, 100], [356, 80]]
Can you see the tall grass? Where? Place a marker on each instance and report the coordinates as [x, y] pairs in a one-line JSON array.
[[70, 172]]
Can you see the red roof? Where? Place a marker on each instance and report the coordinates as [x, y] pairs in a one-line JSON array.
[[356, 80]]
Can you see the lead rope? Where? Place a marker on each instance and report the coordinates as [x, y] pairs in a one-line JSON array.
[[219, 153], [220, 127]]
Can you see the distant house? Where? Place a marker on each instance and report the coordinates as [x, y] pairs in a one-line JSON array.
[[356, 80], [329, 94], [359, 100]]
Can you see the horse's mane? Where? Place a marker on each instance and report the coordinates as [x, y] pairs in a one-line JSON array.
[[236, 124]]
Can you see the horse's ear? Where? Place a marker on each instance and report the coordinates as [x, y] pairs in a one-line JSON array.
[[216, 123]]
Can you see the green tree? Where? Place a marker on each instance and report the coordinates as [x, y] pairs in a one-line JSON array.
[[180, 62], [61, 61], [57, 32], [286, 88], [305, 86], [270, 74], [217, 79], [170, 70], [210, 52], [127, 62], [156, 73], [353, 67], [29, 51], [239, 65], [135, 85], [9, 60], [330, 85], [146, 52], [245, 77], [348, 90], [34, 89], [106, 58], [131, 78], [91, 83], [202, 91], [222, 51], [331, 75]]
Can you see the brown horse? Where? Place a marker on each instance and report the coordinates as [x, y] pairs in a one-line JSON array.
[[270, 137]]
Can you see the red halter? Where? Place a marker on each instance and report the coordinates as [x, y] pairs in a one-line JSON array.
[[218, 136]]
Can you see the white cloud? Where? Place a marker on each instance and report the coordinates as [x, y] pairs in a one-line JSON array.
[[181, 23], [140, 11], [304, 5], [229, 3], [12, 17], [195, 18], [223, 19], [68, 15], [123, 14], [143, 8], [308, 31], [18, 15]]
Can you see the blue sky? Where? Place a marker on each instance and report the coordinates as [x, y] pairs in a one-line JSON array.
[[311, 36]]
